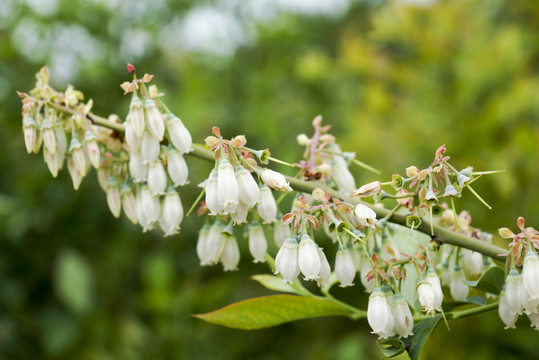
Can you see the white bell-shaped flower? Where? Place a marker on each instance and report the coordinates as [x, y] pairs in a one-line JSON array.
[[473, 262], [281, 232], [240, 215], [49, 138], [129, 203], [378, 313], [402, 316], [534, 320], [150, 205], [61, 145], [202, 245], [92, 149], [258, 246], [434, 280], [179, 135], [227, 187], [212, 202], [172, 212], [427, 297], [325, 269], [215, 242], [249, 192], [142, 219], [113, 197], [530, 275], [75, 149], [345, 271], [309, 260], [157, 178], [508, 316], [76, 177], [149, 148], [137, 167], [287, 261], [267, 207], [459, 290], [341, 175], [366, 216], [275, 180], [514, 291], [365, 268], [51, 161], [177, 168], [230, 257], [136, 115], [30, 133], [156, 125], [131, 138]]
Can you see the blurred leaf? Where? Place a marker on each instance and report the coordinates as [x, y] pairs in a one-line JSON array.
[[274, 283], [74, 283], [391, 347], [422, 331], [62, 331], [452, 305], [272, 310], [491, 281]]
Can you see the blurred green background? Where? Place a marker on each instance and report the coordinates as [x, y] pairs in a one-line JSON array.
[[395, 80]]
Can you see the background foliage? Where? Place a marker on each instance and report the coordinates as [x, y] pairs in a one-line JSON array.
[[396, 80]]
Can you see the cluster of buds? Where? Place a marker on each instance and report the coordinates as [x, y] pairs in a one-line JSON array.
[[520, 294]]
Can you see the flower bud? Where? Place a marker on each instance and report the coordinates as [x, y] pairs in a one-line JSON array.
[[230, 257], [149, 148], [131, 138], [103, 174], [75, 149], [202, 245], [177, 168], [179, 135], [136, 115], [303, 140], [402, 316], [366, 216], [378, 314], [345, 271], [212, 202], [473, 262], [309, 260], [157, 178], [275, 180], [513, 291], [508, 316], [137, 167], [48, 135], [227, 187], [325, 269], [434, 281], [240, 215], [113, 197], [368, 189], [450, 191], [530, 275], [281, 232], [267, 207], [129, 203], [341, 175], [287, 261], [172, 212], [156, 125], [150, 205], [142, 219], [30, 133], [257, 242], [92, 149], [74, 173], [249, 192], [214, 242], [459, 290], [426, 297]]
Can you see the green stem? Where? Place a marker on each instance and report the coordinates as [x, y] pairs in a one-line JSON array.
[[473, 311]]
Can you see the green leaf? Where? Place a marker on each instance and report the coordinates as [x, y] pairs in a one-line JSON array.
[[272, 310], [451, 305], [422, 331], [274, 283], [491, 281], [74, 282], [391, 347]]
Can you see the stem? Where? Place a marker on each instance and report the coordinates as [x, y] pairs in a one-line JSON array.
[[196, 202], [478, 197], [475, 310]]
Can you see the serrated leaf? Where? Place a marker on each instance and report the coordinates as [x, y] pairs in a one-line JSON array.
[[272, 310], [491, 281], [274, 283], [391, 347], [74, 282], [422, 331]]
